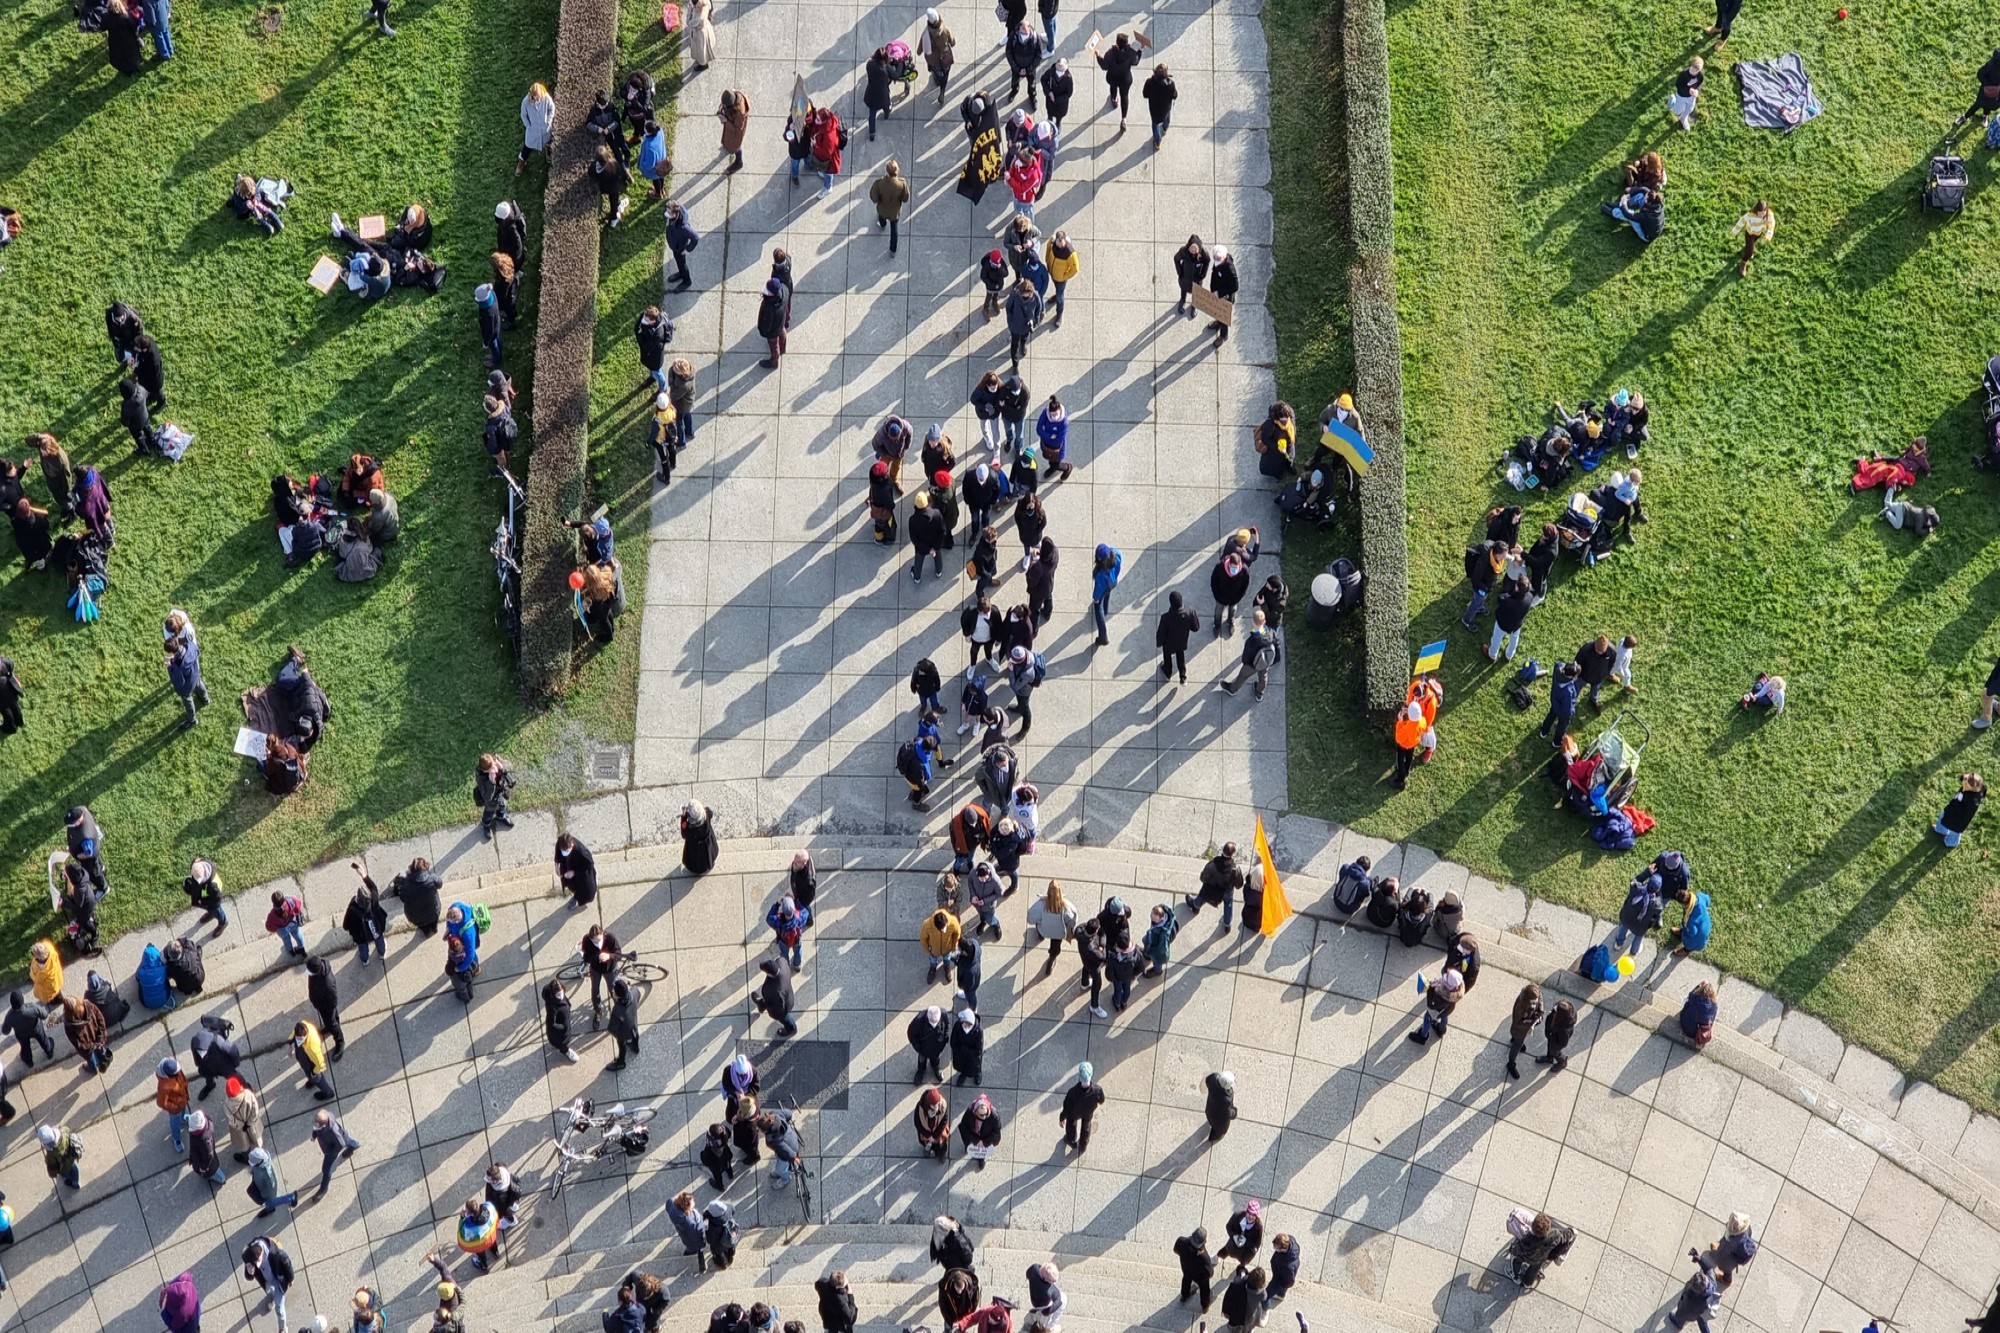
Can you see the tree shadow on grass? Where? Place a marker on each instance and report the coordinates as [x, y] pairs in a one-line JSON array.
[[1802, 976], [1603, 131], [1960, 1034], [242, 131], [1881, 812]]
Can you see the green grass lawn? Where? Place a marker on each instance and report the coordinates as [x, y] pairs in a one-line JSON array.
[[122, 182], [1864, 324]]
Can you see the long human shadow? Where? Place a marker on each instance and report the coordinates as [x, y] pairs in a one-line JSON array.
[[1811, 966]]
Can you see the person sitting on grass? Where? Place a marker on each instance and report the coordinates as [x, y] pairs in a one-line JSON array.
[[283, 767], [1768, 692], [361, 475], [261, 202], [355, 558], [1642, 209]]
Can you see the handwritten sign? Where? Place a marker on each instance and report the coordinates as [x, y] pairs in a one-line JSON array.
[[324, 274]]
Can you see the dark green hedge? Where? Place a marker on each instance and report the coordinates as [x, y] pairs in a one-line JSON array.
[[1378, 350], [586, 57]]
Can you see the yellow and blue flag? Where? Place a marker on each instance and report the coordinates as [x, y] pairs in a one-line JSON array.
[[1346, 441], [1429, 658]]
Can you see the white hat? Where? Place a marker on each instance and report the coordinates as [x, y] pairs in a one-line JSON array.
[[967, 1017], [933, 1014], [1227, 1080], [1217, 253], [502, 210], [663, 402], [930, 16], [47, 1135]]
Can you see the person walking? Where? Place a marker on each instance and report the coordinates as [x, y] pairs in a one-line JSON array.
[[682, 238], [1527, 1013], [889, 194], [266, 1263], [1118, 61], [1219, 1109], [1046, 1301], [1221, 877], [734, 113], [1260, 653], [1958, 812], [12, 691], [365, 920], [1177, 625], [935, 44], [309, 1052], [1159, 92], [556, 1018], [652, 331], [1734, 1251], [837, 1310], [1284, 1268], [492, 783], [624, 1022], [1725, 19], [1687, 90], [334, 1143], [771, 326], [203, 1159], [875, 88], [1564, 686], [1024, 315], [1079, 1108], [170, 1094], [1697, 1300], [245, 1113], [1757, 226], [774, 995], [265, 1187], [1440, 998], [538, 122]]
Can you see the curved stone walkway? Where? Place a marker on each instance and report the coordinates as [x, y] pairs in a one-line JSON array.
[[1395, 1166]]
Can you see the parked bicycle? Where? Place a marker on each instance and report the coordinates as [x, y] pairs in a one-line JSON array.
[[506, 553], [617, 1130]]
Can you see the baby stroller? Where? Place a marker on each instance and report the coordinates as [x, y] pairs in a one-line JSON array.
[[1307, 496], [1945, 185], [1604, 776], [1581, 530], [1335, 591], [902, 64]]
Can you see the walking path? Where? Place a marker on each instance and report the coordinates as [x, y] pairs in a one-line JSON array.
[[776, 643]]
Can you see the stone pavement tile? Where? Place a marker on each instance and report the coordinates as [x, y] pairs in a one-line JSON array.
[[176, 1206], [1181, 1067], [915, 1190], [1520, 1165], [1357, 1259], [1929, 1301], [1979, 1146], [850, 1191], [1479, 1300], [77, 1314], [1737, 1184], [1869, 1270], [1965, 1250], [1833, 1310], [1810, 1042], [1563, 929], [1322, 1098], [1543, 1100], [1388, 1119], [331, 1225], [1805, 1229], [1570, 1281], [1585, 1192], [1455, 1139], [127, 1301], [1673, 1157], [1486, 1237], [1899, 1207], [978, 1198], [1246, 1160], [1625, 1292], [1419, 1277], [109, 1236], [1754, 1012], [44, 1269], [1263, 1079], [1869, 1077], [1774, 1296], [1629, 1059], [1606, 1124], [1309, 1168], [1043, 1195], [1697, 1091], [530, 842], [1764, 1126], [1832, 1164], [1650, 1224], [393, 1194], [1371, 1189], [1469, 1069], [1938, 1117], [434, 1032], [1436, 1209]]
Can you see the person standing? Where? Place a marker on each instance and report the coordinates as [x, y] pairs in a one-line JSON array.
[[1557, 1029], [1046, 1302], [1760, 224], [1079, 1108], [365, 921], [150, 371], [1958, 812], [203, 1159], [1593, 662], [837, 1311], [1159, 92], [170, 1094], [721, 1232], [935, 45], [334, 1143], [538, 122], [1284, 1268], [1058, 87], [121, 36], [940, 937], [682, 238], [183, 660], [772, 310], [492, 783], [86, 846], [1527, 1013], [245, 1113], [624, 1022], [1440, 998], [1510, 612], [1260, 652], [324, 996], [1197, 1265], [1244, 1234], [1025, 50], [968, 1048], [576, 870], [180, 1305], [1687, 90], [1118, 61], [930, 1035], [1221, 877], [215, 1055], [889, 193], [1644, 906], [1220, 1107], [1177, 625], [1563, 689], [1024, 313], [309, 1052], [928, 536], [12, 691], [1190, 269], [654, 164], [1122, 965], [556, 1018], [875, 88], [1725, 19], [378, 14], [1092, 953], [688, 1225], [1106, 566], [774, 996], [486, 306], [653, 332], [734, 113], [1697, 1300]]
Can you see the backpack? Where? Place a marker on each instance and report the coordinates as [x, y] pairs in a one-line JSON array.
[[1519, 697], [152, 973], [1613, 832], [1596, 964], [1349, 892], [1041, 668], [1993, 132], [482, 920]]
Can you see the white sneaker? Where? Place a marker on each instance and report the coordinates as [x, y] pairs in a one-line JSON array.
[[571, 1056], [1098, 1013], [971, 670], [1026, 560], [964, 727], [336, 224], [1981, 723]]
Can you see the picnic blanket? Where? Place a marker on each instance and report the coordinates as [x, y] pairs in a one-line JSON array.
[[275, 710], [1777, 95]]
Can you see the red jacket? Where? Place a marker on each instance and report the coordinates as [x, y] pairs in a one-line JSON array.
[[1024, 178], [826, 143]]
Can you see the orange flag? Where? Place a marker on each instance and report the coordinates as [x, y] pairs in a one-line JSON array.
[[1277, 909]]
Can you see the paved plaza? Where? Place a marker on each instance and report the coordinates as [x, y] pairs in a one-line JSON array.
[[777, 642]]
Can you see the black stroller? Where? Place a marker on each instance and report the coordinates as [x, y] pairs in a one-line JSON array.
[[1988, 457], [1308, 496], [1335, 591], [1945, 185]]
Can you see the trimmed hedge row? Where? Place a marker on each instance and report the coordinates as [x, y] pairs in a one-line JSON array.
[[1378, 351], [586, 59]]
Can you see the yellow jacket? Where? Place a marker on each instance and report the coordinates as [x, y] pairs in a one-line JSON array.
[[938, 943], [47, 977], [311, 1050], [1062, 270]]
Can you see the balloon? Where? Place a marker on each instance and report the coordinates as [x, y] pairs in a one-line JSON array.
[[1626, 967], [576, 579]]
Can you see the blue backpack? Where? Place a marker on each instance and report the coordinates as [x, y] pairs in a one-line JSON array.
[[1597, 964], [1993, 132], [1613, 832], [153, 992]]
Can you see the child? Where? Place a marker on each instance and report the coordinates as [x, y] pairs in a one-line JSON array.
[[1768, 692], [1621, 664], [1687, 88], [972, 702], [1756, 226], [665, 435], [1957, 816]]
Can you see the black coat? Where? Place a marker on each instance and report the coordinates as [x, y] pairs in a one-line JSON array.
[[771, 315], [1190, 269], [971, 1131], [776, 990], [968, 1050], [150, 370], [555, 1015], [1511, 611], [1175, 627], [578, 869], [929, 1042], [1197, 1264], [1058, 87], [422, 893], [321, 991], [1159, 92], [1080, 1103], [121, 32], [1221, 1106], [1117, 62], [927, 530], [364, 919], [875, 93], [1596, 665], [625, 1015], [836, 1306], [1228, 590], [1222, 279], [653, 337]]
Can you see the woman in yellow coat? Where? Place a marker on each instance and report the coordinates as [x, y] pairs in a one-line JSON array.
[[45, 971]]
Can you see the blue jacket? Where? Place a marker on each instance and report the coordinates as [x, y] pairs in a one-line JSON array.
[[652, 153], [681, 236], [1054, 435], [1102, 581], [1562, 696], [466, 932], [799, 921], [692, 1230], [184, 671], [1695, 931]]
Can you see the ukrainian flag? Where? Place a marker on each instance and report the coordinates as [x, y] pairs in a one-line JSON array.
[[1429, 658], [1346, 441]]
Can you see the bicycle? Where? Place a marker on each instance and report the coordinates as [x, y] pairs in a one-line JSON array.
[[627, 966], [506, 553], [618, 1131], [802, 1174]]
